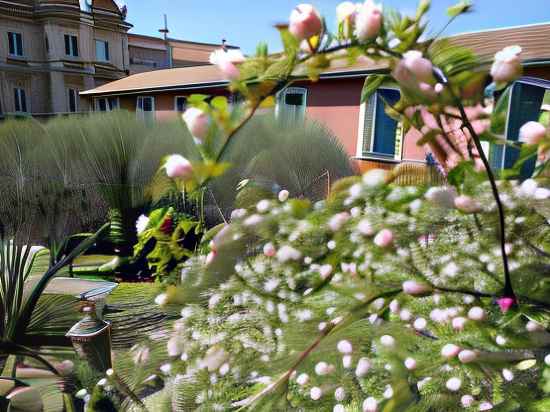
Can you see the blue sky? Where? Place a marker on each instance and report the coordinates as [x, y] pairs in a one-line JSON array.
[[246, 22]]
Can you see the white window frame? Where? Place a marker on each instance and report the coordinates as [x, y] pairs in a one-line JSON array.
[[176, 102], [370, 154], [140, 112], [17, 95], [280, 106], [76, 99], [72, 52], [15, 45], [105, 58]]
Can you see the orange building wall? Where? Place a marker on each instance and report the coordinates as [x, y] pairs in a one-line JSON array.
[[336, 103]]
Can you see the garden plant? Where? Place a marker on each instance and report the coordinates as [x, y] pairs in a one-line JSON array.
[[380, 295]]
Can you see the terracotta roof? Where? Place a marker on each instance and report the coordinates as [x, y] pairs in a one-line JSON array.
[[534, 39], [191, 77]]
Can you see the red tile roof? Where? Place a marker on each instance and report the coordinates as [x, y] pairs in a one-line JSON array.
[[534, 39]]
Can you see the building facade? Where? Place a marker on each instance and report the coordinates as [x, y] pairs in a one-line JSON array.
[[368, 134], [51, 50], [152, 53]]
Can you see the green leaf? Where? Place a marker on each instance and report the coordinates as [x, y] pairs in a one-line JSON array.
[[457, 176], [526, 364], [464, 6], [220, 103], [423, 8], [197, 98], [290, 43], [372, 83]]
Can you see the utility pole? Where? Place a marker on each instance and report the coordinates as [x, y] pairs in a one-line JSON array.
[[165, 32]]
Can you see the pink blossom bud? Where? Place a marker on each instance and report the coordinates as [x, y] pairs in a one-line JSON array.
[[505, 303], [467, 401], [467, 204], [305, 22], [411, 287], [283, 195], [269, 250], [384, 238], [532, 133], [453, 384], [477, 313], [533, 326], [459, 323], [413, 69], [410, 364], [210, 257], [370, 405], [346, 13], [363, 366], [507, 65], [485, 406], [450, 350], [337, 221], [197, 122], [344, 346], [226, 60], [178, 166], [368, 21], [467, 356]]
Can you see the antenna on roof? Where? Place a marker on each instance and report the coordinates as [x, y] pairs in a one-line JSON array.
[[165, 30]]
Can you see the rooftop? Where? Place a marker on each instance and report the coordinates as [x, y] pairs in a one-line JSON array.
[[534, 39]]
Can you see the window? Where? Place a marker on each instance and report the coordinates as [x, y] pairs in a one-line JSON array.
[[106, 104], [20, 100], [379, 135], [145, 108], [526, 100], [15, 41], [180, 104], [102, 51], [73, 100], [291, 105], [71, 45]]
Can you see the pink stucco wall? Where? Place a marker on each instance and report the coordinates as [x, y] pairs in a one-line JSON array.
[[336, 103]]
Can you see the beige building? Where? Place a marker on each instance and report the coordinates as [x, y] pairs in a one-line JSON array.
[[152, 53], [51, 50]]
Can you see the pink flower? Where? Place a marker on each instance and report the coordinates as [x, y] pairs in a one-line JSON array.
[[305, 22], [368, 21], [411, 287], [414, 69], [269, 250], [384, 238], [197, 121], [450, 350], [210, 257], [506, 303], [338, 220], [467, 204], [226, 60], [178, 166], [532, 133], [467, 356], [346, 13], [507, 65]]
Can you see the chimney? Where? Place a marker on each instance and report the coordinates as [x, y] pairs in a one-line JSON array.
[[224, 45]]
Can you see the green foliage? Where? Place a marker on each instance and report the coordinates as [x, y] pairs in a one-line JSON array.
[[166, 239]]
